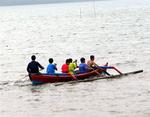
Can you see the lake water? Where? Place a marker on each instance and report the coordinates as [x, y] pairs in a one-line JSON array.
[[116, 31]]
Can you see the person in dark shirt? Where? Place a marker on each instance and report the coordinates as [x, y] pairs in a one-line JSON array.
[[33, 66]]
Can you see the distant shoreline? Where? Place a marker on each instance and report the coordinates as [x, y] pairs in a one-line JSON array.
[[31, 2]]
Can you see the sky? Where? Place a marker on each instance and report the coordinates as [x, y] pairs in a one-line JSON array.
[[23, 2]]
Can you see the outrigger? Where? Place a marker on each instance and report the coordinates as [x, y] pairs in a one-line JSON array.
[[100, 72]]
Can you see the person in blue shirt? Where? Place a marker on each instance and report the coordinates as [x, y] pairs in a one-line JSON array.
[[33, 66], [83, 67], [51, 67]]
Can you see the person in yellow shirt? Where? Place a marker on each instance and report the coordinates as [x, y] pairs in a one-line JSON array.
[[72, 66]]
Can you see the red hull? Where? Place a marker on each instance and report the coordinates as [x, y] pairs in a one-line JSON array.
[[45, 78]]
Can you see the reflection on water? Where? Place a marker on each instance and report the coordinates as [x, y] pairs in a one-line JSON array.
[[117, 35]]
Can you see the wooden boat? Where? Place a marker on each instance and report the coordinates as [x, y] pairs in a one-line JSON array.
[[61, 77], [65, 77]]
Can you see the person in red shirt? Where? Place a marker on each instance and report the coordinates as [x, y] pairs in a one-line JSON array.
[[65, 67]]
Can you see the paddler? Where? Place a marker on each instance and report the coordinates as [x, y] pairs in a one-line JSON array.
[[72, 66], [83, 67], [51, 67], [33, 66], [65, 66], [92, 64]]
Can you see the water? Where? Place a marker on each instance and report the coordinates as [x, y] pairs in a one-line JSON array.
[[114, 31]]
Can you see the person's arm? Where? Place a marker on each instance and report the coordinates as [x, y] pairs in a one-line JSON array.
[[76, 65], [55, 66], [40, 66], [88, 68], [95, 64], [28, 69], [47, 70]]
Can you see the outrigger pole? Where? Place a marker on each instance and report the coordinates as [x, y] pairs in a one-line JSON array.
[[111, 67]]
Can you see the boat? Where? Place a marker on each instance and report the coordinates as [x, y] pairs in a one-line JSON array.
[[100, 72], [61, 77]]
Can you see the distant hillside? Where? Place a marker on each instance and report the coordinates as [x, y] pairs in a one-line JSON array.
[[26, 2]]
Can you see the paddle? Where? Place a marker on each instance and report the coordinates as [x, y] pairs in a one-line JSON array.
[[25, 76], [95, 71], [103, 70], [31, 73], [73, 76]]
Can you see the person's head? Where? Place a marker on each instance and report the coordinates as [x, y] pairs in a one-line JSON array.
[[92, 57], [82, 60], [70, 60], [67, 61], [33, 57], [50, 60]]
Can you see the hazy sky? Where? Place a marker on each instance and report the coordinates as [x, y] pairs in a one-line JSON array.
[[20, 2]]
